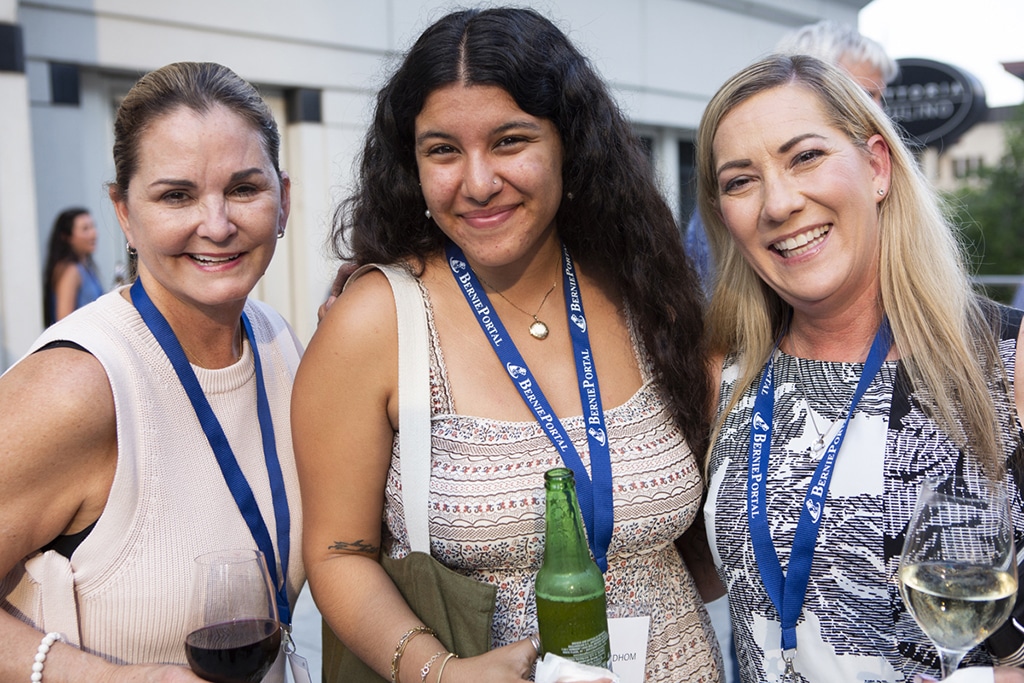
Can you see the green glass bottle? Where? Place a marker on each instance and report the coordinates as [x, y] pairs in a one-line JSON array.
[[571, 611]]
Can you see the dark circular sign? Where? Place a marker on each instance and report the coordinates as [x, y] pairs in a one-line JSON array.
[[935, 103]]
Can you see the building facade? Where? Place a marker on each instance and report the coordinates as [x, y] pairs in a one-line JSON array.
[[953, 166], [65, 65]]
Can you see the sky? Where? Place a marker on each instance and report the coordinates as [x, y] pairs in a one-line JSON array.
[[974, 35]]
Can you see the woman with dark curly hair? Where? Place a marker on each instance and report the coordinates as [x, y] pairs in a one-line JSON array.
[[500, 173]]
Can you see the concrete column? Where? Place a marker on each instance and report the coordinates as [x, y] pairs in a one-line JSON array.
[[20, 287], [667, 160], [311, 273]]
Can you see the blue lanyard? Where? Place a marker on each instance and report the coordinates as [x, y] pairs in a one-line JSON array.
[[787, 593], [233, 475], [595, 495]]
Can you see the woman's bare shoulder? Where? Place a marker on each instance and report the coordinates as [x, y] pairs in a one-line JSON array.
[[58, 445]]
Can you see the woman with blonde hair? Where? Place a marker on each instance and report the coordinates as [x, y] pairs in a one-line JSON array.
[[844, 309]]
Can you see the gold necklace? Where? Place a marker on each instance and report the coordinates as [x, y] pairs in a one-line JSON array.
[[538, 328], [192, 358]]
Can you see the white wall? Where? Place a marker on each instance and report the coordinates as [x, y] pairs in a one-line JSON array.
[[20, 314]]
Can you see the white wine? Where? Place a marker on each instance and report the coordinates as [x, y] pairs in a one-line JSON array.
[[957, 605]]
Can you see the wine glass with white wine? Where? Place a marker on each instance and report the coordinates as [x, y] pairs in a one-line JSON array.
[[958, 571]]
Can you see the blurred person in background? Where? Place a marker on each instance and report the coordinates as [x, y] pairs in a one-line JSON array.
[[70, 280]]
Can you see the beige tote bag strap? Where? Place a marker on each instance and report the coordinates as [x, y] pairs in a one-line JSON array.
[[413, 401]]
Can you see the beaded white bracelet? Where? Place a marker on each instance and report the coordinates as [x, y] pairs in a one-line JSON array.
[[44, 649]]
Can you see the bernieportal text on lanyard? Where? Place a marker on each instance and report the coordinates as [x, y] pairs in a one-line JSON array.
[[233, 474], [787, 592], [594, 493]]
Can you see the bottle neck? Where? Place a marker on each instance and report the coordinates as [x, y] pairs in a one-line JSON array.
[[565, 544]]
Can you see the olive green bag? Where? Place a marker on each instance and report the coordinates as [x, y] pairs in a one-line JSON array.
[[458, 608]]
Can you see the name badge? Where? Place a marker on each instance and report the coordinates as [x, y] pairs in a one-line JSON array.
[[300, 668], [628, 640]]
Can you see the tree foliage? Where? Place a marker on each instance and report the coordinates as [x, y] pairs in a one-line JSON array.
[[990, 209]]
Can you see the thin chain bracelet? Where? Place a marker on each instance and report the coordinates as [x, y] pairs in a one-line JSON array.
[[40, 661], [426, 667]]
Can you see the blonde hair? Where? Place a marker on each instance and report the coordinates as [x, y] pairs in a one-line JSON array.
[[944, 335]]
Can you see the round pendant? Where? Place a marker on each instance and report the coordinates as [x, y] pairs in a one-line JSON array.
[[538, 330]]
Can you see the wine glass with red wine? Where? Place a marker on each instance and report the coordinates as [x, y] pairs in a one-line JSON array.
[[235, 635]]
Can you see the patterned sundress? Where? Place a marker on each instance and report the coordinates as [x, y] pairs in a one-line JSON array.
[[486, 508]]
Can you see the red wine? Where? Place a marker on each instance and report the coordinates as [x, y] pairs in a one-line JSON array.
[[234, 652]]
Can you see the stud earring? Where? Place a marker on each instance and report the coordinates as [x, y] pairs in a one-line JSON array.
[[427, 214], [881, 192], [280, 233]]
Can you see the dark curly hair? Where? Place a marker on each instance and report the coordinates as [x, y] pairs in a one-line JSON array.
[[617, 222]]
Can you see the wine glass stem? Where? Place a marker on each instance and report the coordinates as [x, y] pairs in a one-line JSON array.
[[950, 661]]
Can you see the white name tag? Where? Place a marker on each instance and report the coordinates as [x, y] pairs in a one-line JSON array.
[[300, 668], [628, 636]]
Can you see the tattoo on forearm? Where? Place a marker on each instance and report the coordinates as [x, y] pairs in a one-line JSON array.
[[359, 546]]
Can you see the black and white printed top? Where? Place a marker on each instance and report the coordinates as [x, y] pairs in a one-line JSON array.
[[854, 625]]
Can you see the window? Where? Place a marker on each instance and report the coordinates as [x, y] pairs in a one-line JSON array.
[[965, 167]]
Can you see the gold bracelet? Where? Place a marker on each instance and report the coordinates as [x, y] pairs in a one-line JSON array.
[[426, 667], [400, 649], [444, 662]]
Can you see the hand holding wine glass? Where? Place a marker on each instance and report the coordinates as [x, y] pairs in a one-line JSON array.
[[958, 571], [235, 635]]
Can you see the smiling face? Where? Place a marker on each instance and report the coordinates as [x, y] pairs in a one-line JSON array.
[[800, 199], [203, 209], [491, 174]]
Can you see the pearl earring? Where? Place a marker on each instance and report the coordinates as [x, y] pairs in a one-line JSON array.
[[427, 214]]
